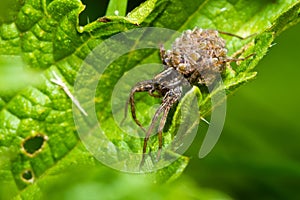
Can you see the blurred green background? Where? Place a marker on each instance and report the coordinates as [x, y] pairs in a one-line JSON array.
[[257, 156]]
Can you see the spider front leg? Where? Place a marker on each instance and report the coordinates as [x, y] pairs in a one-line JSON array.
[[143, 86], [171, 97]]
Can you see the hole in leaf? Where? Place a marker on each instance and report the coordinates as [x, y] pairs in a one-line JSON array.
[[27, 176], [33, 144]]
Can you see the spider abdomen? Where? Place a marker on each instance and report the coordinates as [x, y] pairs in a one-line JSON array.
[[198, 55]]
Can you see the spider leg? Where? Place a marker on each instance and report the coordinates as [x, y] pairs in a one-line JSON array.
[[242, 50], [170, 98], [152, 94], [237, 36], [233, 59], [160, 129], [142, 86], [237, 59], [148, 133]]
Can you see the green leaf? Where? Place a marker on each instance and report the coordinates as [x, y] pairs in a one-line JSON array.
[[146, 9], [9, 10], [46, 35], [116, 7]]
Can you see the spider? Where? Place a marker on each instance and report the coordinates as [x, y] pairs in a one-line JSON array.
[[197, 56]]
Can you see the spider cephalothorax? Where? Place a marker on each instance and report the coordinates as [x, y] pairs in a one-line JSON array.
[[197, 57]]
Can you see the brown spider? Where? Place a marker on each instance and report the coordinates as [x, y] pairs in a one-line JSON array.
[[197, 56]]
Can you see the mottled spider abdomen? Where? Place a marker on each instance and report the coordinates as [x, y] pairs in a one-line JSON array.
[[198, 55]]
